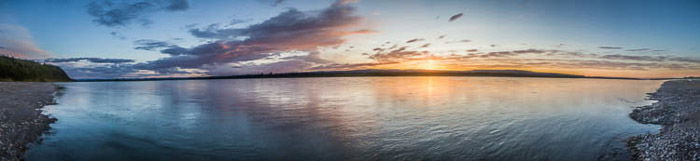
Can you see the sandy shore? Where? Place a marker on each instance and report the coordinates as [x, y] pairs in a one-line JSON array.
[[678, 112], [21, 121]]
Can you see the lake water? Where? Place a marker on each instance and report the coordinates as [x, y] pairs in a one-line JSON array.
[[355, 118]]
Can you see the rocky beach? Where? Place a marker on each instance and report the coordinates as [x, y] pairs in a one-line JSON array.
[[21, 120], [678, 113]]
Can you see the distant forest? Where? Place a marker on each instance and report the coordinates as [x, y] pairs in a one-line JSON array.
[[12, 69], [374, 73]]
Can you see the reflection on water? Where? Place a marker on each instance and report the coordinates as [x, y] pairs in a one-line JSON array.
[[398, 118]]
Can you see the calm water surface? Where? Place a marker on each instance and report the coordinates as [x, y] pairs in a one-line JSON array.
[[361, 118]]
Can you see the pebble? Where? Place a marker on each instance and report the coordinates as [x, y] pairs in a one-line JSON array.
[[679, 139]]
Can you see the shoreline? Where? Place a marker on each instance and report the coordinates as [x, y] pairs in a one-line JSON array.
[[677, 110], [21, 118]]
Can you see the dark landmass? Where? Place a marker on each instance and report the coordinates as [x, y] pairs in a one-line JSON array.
[[21, 121], [678, 112], [12, 69], [377, 73]]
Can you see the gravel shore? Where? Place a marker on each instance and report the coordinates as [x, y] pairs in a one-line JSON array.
[[21, 121], [678, 112]]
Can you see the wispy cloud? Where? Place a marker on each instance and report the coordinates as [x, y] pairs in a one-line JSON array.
[[350, 66], [610, 47], [283, 65], [147, 44], [92, 60], [455, 17], [634, 57], [414, 40], [640, 49], [123, 13], [163, 46], [533, 58], [273, 2], [397, 55]]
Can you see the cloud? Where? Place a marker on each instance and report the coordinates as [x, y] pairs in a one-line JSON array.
[[273, 2], [214, 31], [651, 58], [640, 49], [397, 55], [685, 59], [527, 58], [276, 67], [610, 47], [285, 65], [277, 2], [502, 54], [634, 57], [314, 57], [16, 41], [414, 40], [558, 63], [460, 41], [350, 66], [606, 64], [532, 51], [99, 72], [117, 35], [401, 54], [146, 44], [92, 60], [94, 68], [324, 28], [455, 17], [211, 53], [175, 50], [499, 54], [164, 47], [123, 13], [261, 47], [344, 2], [292, 30], [520, 59]]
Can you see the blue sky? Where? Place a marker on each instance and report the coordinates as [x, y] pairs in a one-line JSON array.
[[597, 37]]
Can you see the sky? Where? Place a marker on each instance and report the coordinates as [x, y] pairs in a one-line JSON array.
[[96, 39]]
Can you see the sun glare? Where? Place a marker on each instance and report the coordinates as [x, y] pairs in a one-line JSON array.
[[428, 65]]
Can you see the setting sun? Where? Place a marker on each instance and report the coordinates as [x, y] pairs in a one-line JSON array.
[[428, 65]]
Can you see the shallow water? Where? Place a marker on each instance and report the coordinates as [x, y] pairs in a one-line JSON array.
[[359, 118]]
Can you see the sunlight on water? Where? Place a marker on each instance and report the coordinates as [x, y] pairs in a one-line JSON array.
[[367, 118]]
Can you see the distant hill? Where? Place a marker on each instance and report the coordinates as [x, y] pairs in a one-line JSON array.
[[378, 73], [12, 69]]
